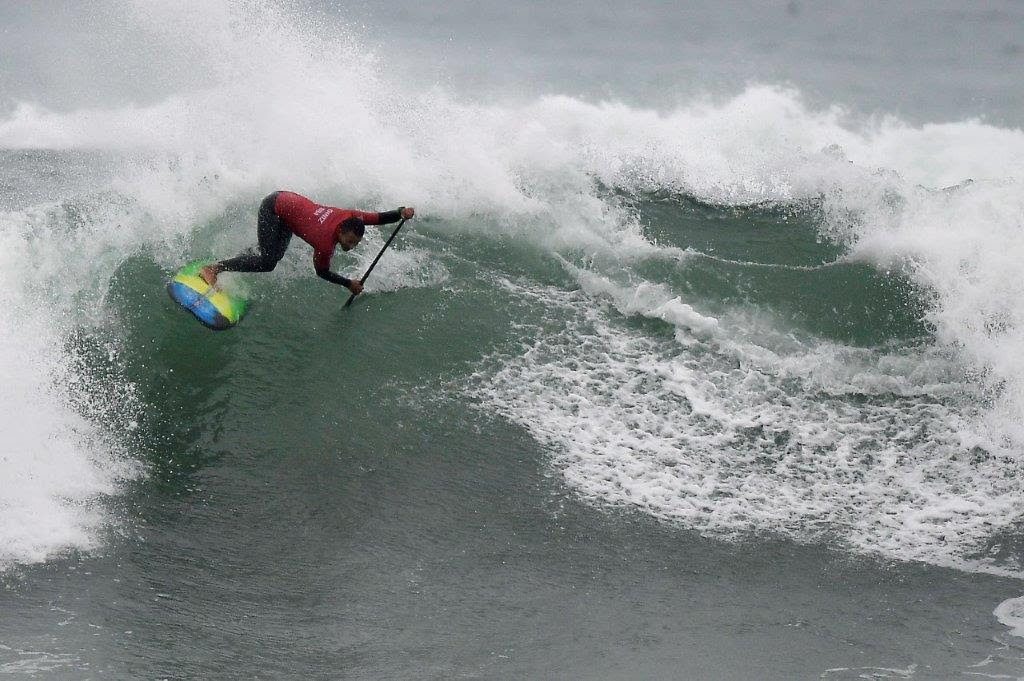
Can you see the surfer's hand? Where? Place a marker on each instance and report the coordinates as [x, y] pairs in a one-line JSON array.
[[355, 287], [408, 212]]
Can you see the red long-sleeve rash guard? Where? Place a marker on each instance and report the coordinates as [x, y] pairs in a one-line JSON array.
[[318, 225]]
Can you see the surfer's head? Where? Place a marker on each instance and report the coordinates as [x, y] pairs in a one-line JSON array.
[[351, 233]]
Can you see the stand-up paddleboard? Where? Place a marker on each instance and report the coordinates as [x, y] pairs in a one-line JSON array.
[[212, 305]]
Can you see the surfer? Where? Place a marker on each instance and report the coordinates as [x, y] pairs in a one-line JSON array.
[[285, 213]]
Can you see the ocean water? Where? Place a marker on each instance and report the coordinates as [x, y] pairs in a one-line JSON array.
[[701, 359]]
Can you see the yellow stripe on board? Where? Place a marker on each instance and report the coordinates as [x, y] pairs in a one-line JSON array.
[[193, 282], [218, 298]]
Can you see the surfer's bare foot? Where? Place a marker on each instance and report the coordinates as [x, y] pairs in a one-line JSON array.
[[209, 275]]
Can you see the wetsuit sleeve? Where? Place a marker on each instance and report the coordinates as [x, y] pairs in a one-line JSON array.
[[384, 218], [390, 216], [334, 278], [322, 264]]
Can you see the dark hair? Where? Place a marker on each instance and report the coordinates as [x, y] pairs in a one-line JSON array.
[[353, 224]]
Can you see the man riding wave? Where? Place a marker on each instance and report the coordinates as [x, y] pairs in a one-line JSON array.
[[284, 213]]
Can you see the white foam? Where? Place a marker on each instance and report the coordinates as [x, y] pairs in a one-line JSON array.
[[1011, 613], [56, 466], [405, 267], [653, 301], [965, 246], [858, 448]]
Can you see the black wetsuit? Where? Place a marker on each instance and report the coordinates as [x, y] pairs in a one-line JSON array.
[[284, 213], [273, 236]]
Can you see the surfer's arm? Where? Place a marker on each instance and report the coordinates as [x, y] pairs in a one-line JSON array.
[[322, 265], [334, 278], [385, 218]]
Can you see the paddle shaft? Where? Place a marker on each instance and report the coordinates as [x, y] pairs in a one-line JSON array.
[[374, 263]]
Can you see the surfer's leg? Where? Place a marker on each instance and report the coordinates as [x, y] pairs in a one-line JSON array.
[[273, 236]]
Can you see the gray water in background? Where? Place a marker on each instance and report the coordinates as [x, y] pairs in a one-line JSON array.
[[933, 61], [927, 60], [410, 536]]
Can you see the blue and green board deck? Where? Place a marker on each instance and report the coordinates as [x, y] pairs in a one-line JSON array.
[[211, 305]]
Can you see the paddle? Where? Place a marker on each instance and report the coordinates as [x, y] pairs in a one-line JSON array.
[[374, 263]]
